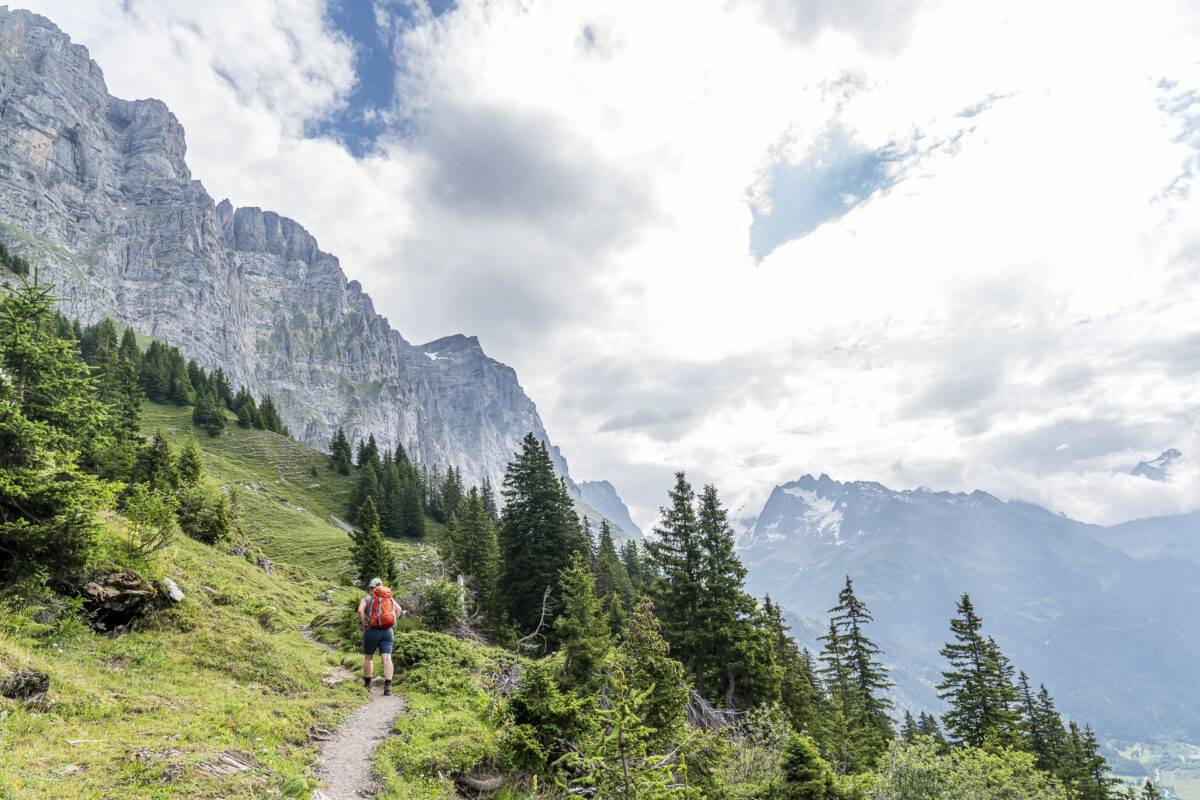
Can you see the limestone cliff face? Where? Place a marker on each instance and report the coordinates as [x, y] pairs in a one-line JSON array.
[[97, 190]]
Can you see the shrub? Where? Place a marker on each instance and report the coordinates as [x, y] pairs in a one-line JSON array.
[[443, 605], [204, 513], [151, 515]]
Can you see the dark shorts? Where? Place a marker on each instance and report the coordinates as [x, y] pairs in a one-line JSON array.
[[380, 639]]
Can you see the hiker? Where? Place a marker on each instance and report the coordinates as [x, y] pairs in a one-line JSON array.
[[378, 612]]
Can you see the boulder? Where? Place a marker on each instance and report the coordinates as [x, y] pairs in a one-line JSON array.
[[27, 686]]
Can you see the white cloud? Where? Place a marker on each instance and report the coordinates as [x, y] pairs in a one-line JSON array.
[[573, 186]]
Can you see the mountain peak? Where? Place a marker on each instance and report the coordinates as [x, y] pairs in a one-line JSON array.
[[1160, 468]]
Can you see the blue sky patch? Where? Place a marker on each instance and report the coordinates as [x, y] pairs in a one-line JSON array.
[[834, 177], [368, 109]]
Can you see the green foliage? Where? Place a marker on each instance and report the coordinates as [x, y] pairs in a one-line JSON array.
[[538, 532], [754, 760], [581, 628], [369, 553], [190, 466], [339, 451], [618, 762], [978, 685], [204, 513], [443, 604], [646, 662], [922, 771], [807, 776], [47, 505], [209, 413], [436, 736], [545, 717], [151, 515], [475, 554], [154, 465]]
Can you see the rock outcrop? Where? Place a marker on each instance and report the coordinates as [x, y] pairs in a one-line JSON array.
[[97, 190]]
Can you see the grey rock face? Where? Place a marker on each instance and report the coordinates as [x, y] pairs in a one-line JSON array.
[[97, 190], [601, 496]]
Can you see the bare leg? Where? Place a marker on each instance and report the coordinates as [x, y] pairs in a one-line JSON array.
[[369, 665], [387, 666]]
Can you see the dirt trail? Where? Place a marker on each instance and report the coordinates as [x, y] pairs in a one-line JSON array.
[[344, 766]]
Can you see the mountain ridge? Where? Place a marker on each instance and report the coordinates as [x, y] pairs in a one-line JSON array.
[[98, 190], [1064, 602]]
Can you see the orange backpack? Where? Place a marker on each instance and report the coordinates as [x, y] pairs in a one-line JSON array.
[[383, 613]]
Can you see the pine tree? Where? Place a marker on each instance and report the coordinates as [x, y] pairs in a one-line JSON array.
[[475, 554], [534, 534], [647, 664], [633, 566], [155, 467], [208, 415], [798, 691], [611, 578], [581, 627], [1050, 726], [927, 725], [980, 693], [47, 406], [367, 487], [736, 648], [129, 347], [369, 553], [909, 731], [677, 553], [339, 452], [866, 706], [190, 467]]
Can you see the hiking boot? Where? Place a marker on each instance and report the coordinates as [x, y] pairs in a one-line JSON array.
[[387, 688], [367, 684]]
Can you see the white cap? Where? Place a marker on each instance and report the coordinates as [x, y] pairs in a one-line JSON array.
[[376, 582]]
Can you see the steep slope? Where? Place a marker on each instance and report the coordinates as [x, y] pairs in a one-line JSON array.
[[1082, 617], [97, 190], [601, 496]]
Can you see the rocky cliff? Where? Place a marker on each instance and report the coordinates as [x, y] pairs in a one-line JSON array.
[[97, 190]]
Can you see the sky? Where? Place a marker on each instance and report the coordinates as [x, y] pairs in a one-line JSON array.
[[942, 244]]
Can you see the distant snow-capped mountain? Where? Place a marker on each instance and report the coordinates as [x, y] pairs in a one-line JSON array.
[[1158, 469], [1066, 603]]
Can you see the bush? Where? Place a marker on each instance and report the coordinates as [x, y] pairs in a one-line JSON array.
[[204, 513], [151, 515], [443, 605]]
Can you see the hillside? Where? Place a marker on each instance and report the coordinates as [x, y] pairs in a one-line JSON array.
[[225, 672]]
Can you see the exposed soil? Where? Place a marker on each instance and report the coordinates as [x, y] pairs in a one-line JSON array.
[[344, 766]]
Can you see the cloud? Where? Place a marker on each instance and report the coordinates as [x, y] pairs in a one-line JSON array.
[[569, 182]]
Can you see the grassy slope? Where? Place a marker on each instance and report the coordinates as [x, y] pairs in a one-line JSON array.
[[225, 670]]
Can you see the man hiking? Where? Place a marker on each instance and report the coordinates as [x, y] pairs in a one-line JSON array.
[[378, 612]]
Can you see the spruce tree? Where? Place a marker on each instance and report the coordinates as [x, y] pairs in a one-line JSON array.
[[798, 693], [611, 578], [474, 553], [977, 686], [535, 533], [47, 406], [581, 627], [647, 664], [909, 731], [865, 707], [339, 452], [735, 646], [369, 553], [677, 553], [155, 467], [190, 467]]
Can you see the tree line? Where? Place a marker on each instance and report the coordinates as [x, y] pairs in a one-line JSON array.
[[660, 644], [70, 442]]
